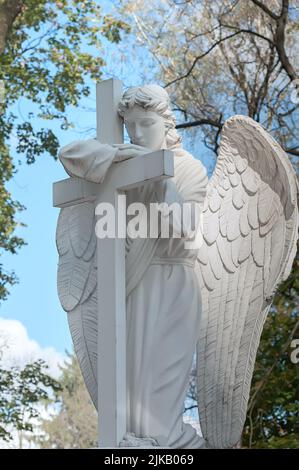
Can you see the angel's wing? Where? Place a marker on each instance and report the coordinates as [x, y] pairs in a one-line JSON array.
[[250, 224], [77, 282]]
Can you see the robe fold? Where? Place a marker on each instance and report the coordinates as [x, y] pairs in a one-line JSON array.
[[163, 303]]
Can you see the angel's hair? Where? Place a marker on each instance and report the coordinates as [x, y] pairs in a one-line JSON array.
[[153, 98]]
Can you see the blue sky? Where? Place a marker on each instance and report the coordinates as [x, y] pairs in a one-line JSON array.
[[33, 301]]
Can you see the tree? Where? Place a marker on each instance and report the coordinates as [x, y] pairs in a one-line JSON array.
[[231, 56], [237, 57], [48, 51], [73, 424], [273, 410], [22, 391]]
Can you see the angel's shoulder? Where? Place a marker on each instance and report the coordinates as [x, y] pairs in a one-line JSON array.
[[189, 169]]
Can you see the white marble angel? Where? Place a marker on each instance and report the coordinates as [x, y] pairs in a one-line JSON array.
[[212, 300]]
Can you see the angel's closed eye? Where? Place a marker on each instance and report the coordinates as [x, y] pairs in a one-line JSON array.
[[147, 122]]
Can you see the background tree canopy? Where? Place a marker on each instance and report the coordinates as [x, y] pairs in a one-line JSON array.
[[231, 57], [74, 425], [23, 391], [41, 59]]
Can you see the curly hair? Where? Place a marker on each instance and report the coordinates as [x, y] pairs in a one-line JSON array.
[[153, 98]]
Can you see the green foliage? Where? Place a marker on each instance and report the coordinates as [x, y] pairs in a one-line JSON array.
[[21, 390], [272, 418], [8, 208], [113, 27], [75, 424], [43, 62]]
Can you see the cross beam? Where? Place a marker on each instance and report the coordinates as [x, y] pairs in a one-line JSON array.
[[111, 259]]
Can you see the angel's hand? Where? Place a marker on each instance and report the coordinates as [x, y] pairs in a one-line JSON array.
[[126, 151]]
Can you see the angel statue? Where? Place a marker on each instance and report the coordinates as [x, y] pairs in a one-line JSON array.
[[211, 301]]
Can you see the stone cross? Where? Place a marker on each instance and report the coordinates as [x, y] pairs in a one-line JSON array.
[[111, 258]]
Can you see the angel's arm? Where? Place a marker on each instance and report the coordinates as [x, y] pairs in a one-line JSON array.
[[87, 159], [188, 186], [90, 159]]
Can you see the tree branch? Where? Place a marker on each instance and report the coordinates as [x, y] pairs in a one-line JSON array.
[[248, 31], [278, 37], [265, 9], [190, 408], [201, 57], [280, 41], [290, 111], [199, 122], [293, 151], [216, 147]]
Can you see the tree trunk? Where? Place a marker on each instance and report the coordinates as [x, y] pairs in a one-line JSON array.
[[280, 45], [9, 10]]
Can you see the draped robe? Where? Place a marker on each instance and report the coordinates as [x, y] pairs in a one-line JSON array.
[[163, 304]]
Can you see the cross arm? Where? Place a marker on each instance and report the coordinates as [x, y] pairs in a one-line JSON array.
[[124, 175]]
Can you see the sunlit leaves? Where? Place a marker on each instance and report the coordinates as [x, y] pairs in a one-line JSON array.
[[21, 390], [53, 48]]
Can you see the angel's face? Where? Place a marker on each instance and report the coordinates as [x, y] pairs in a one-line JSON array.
[[145, 128]]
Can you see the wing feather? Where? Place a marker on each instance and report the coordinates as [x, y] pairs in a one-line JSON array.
[[77, 283], [252, 195]]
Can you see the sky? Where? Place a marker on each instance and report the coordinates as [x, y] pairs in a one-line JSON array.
[[32, 313], [33, 306]]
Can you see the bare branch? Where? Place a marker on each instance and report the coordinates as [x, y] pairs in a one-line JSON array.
[[293, 151], [200, 122], [280, 41], [279, 35], [248, 31], [264, 87], [239, 78], [230, 9], [216, 147], [204, 33], [201, 57], [190, 408], [265, 9], [290, 111], [36, 42]]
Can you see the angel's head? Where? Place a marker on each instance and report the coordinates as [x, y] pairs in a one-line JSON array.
[[148, 117]]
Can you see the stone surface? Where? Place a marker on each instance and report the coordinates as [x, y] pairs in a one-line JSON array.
[[215, 298], [130, 440]]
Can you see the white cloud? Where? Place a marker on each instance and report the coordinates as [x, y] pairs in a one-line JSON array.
[[194, 423], [18, 349]]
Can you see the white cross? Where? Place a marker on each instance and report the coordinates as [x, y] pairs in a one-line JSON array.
[[111, 258]]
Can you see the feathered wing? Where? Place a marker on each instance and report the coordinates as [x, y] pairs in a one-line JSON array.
[[250, 224], [77, 283]]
